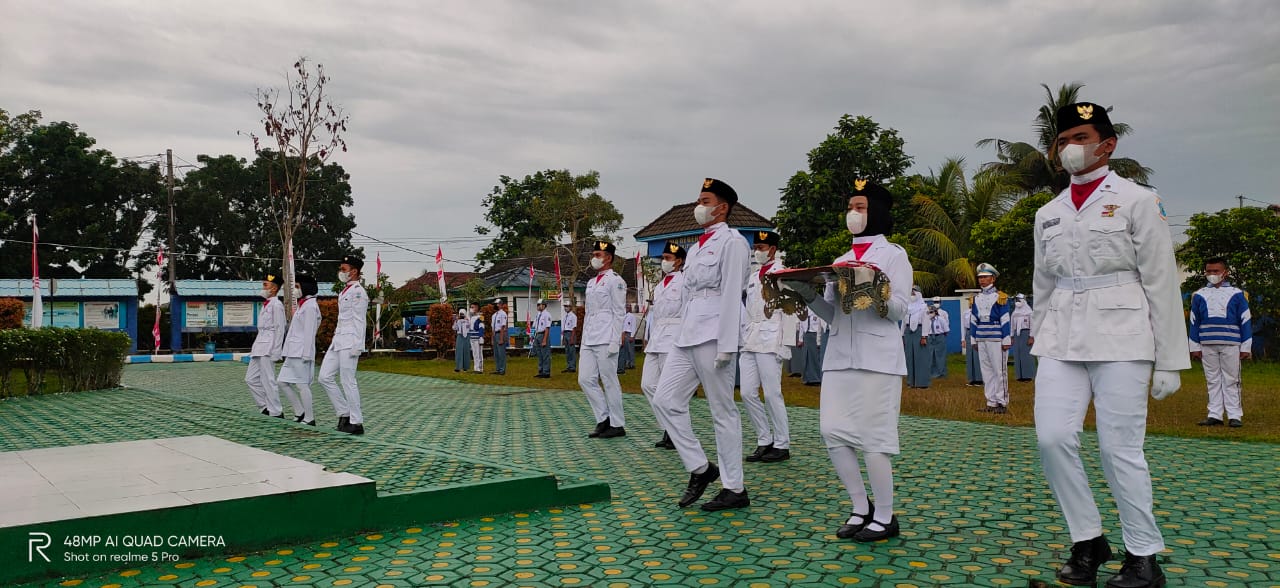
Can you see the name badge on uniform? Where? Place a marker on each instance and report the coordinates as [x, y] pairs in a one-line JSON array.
[[1049, 223]]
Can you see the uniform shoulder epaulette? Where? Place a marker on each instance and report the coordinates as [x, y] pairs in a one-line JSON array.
[[1002, 298]]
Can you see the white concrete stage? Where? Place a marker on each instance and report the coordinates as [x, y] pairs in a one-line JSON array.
[[61, 483]]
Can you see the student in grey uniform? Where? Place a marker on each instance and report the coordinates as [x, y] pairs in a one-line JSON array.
[[261, 376], [569, 335], [915, 341], [813, 331], [340, 361], [500, 338], [1024, 364], [542, 340], [461, 343], [299, 350], [972, 365], [795, 367], [627, 356], [940, 323]]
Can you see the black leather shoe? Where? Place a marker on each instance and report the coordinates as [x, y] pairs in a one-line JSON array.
[[1002, 409], [987, 409], [268, 413], [665, 442], [600, 427], [1235, 423], [357, 429], [1210, 422], [298, 418], [868, 534], [848, 530], [1138, 571], [311, 423], [1081, 568], [698, 484], [727, 499], [776, 455], [760, 451], [344, 424], [612, 432]]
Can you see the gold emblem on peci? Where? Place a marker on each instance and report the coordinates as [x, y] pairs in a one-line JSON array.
[[859, 185], [674, 248], [603, 246], [707, 183], [271, 278], [1085, 111]]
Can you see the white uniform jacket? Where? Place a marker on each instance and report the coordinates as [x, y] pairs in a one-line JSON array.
[[630, 323], [664, 315], [1106, 284], [271, 330], [301, 340], [766, 335], [353, 308], [715, 275], [863, 340], [606, 308]]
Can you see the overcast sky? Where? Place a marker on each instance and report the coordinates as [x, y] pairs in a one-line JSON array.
[[446, 96]]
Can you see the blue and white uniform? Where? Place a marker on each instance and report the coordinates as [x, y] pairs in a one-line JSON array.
[[989, 323], [1221, 330]]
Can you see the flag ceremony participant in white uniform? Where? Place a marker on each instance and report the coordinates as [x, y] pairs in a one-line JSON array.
[[1108, 311], [499, 321], [344, 351], [989, 322], [863, 368], [664, 323], [940, 327], [569, 336], [476, 338], [1221, 335], [261, 376], [1024, 364], [760, 362], [715, 275], [601, 340], [299, 350], [542, 340]]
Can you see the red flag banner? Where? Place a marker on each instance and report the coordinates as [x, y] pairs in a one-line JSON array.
[[444, 293], [37, 305], [155, 330]]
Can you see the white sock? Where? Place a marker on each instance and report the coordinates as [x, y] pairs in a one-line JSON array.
[[845, 460], [880, 472]]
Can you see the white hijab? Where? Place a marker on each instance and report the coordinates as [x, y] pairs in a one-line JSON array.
[[916, 310]]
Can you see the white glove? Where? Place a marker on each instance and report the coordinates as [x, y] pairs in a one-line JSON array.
[[723, 360], [804, 289], [614, 347], [1164, 384], [354, 352]]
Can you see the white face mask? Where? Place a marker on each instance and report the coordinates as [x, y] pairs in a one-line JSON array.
[[1214, 279], [597, 263], [668, 266], [267, 294], [762, 257], [297, 293], [343, 277], [1075, 157], [703, 214], [855, 221]]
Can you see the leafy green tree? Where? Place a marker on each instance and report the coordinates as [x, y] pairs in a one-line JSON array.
[[1033, 167], [814, 202], [1008, 243], [1249, 239], [475, 291]]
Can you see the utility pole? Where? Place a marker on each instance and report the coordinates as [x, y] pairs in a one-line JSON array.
[[168, 155], [1240, 198]]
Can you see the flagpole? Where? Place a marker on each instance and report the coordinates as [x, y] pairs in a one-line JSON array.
[[37, 305], [377, 313], [155, 330]]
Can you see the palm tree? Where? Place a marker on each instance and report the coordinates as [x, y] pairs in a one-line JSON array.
[[947, 207], [1033, 168]]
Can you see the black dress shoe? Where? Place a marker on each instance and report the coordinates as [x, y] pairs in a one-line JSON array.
[[1002, 409], [1235, 423], [728, 499], [356, 429], [665, 442], [600, 427], [1138, 571], [868, 534], [776, 455], [1081, 568], [268, 413], [987, 409], [848, 530], [760, 451], [298, 418], [698, 484], [344, 424], [280, 416], [612, 432], [311, 423], [1210, 422]]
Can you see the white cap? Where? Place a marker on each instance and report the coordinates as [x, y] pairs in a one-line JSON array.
[[937, 299], [988, 269]]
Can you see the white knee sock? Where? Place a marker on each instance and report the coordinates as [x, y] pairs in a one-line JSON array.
[[880, 472], [845, 460]]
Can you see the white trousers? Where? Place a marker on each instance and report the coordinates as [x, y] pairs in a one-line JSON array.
[[683, 370], [1222, 375], [650, 373], [1118, 390], [300, 398], [596, 366], [477, 355], [764, 371], [346, 401], [261, 378], [995, 372]]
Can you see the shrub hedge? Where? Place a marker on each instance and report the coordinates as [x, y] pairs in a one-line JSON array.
[[12, 311], [79, 359]]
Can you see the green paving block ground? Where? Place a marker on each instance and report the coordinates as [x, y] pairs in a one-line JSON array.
[[972, 501]]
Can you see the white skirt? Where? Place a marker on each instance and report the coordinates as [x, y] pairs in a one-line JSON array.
[[860, 409], [296, 371]]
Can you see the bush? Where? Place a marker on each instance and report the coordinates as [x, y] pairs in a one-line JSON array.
[[11, 312], [81, 359], [440, 319], [328, 323]]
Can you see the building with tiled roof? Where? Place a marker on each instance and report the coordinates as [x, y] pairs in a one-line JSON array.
[[678, 225]]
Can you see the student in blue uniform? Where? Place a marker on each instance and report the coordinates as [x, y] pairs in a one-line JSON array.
[[1221, 335], [989, 321]]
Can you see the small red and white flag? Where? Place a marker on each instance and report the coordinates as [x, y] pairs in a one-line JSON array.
[[444, 294], [558, 285], [642, 288], [528, 316], [37, 305], [377, 315], [155, 330]]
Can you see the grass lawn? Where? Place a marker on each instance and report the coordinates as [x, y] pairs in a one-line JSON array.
[[948, 398]]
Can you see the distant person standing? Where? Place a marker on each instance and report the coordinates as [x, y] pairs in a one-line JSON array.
[[476, 338], [461, 343], [915, 341], [811, 334], [542, 340], [299, 350], [972, 365], [1221, 336], [989, 321], [1024, 364], [939, 328], [500, 338], [627, 357], [267, 344], [569, 336]]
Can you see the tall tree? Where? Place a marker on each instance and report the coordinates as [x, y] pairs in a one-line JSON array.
[[1034, 167], [1006, 242], [814, 202], [307, 129], [81, 196]]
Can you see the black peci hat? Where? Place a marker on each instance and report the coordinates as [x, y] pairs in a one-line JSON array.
[[1084, 113], [767, 237], [675, 249], [604, 246], [274, 279], [723, 191], [353, 261]]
